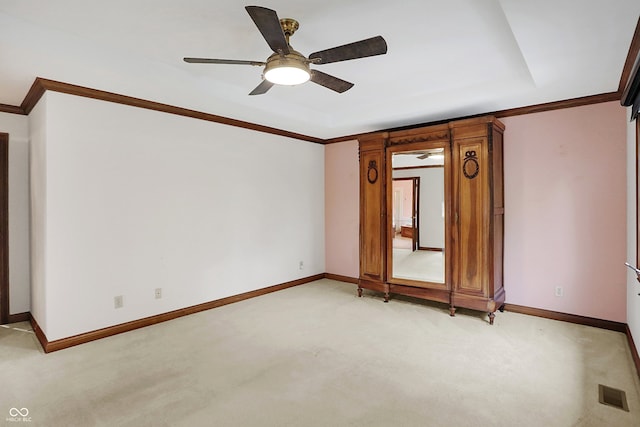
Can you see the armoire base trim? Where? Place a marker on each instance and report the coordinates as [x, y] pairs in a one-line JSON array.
[[439, 295]]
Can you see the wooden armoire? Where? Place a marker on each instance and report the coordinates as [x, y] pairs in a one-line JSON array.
[[473, 211]]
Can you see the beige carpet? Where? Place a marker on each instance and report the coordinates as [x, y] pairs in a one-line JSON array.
[[316, 355], [400, 242]]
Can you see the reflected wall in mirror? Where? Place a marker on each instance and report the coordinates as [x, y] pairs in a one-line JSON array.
[[418, 215]]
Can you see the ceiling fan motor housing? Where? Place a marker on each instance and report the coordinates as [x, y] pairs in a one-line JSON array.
[[290, 69]]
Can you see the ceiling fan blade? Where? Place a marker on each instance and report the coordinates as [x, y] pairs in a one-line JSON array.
[[412, 153], [369, 47], [222, 61], [262, 88], [269, 25], [330, 82]]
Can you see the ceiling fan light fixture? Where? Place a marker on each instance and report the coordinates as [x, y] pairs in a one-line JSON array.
[[286, 71]]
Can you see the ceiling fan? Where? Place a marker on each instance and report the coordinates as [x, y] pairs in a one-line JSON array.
[[427, 154], [289, 67]]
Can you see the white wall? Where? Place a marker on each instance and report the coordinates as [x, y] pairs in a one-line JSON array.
[[431, 198], [19, 282], [38, 188], [633, 287], [138, 200]]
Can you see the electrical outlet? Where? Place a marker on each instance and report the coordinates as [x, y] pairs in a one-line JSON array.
[[301, 265], [559, 291], [118, 302], [158, 293]]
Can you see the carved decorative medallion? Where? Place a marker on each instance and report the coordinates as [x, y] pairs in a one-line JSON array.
[[372, 172], [470, 166]]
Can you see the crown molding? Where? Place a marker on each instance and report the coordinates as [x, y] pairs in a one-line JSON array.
[[11, 109], [530, 109], [41, 85]]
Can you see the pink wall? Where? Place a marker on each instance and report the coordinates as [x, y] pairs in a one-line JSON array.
[[406, 185], [565, 207], [342, 209]]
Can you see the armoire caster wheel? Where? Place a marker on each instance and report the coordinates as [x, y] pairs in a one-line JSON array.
[[491, 317], [501, 309], [359, 292]]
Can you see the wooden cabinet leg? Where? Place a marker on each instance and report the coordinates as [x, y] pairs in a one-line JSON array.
[[386, 297], [501, 308], [452, 311], [492, 316], [359, 292]]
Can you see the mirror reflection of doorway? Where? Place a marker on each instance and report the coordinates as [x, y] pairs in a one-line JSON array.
[[406, 213]]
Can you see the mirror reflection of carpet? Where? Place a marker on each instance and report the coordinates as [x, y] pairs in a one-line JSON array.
[[418, 265]]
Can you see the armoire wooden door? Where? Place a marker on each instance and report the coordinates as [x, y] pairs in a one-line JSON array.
[[478, 215], [372, 215], [471, 202]]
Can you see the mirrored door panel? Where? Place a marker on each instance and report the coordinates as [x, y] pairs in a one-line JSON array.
[[417, 208]]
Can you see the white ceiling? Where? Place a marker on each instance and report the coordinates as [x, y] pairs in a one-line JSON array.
[[446, 58]]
